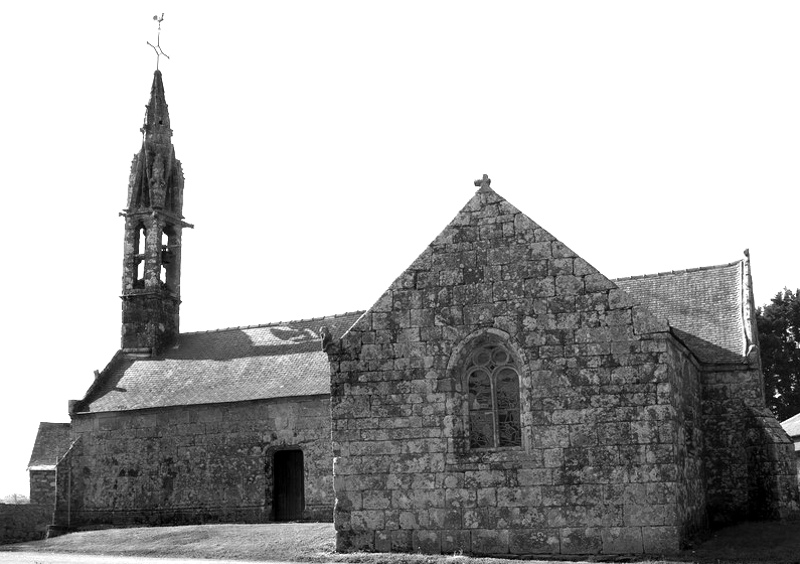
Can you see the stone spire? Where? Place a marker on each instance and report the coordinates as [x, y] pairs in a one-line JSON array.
[[153, 225], [157, 119], [156, 178]]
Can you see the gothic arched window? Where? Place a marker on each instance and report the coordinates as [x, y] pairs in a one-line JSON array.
[[493, 397]]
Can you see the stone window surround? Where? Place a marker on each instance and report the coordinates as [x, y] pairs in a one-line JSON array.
[[455, 369], [491, 374]]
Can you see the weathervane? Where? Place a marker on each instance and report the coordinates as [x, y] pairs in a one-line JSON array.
[[157, 46]]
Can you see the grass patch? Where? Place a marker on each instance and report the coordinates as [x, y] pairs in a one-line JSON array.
[[293, 542], [767, 542]]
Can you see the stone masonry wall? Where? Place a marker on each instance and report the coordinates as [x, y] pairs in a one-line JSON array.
[[689, 443], [726, 393], [797, 462], [20, 523], [749, 456], [150, 319], [602, 466], [196, 464], [43, 487], [724, 419], [62, 513], [771, 479]]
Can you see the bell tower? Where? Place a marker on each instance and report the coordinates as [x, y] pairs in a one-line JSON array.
[[151, 270]]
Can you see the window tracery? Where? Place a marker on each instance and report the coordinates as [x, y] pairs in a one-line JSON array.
[[493, 398]]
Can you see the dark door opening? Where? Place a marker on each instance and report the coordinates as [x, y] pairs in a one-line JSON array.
[[288, 487]]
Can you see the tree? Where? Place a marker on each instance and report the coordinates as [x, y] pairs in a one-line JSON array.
[[779, 337], [15, 499]]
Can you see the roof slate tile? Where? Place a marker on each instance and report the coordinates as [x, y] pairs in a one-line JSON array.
[[702, 305], [52, 441], [239, 364]]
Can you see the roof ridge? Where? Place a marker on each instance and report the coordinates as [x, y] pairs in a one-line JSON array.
[[274, 323], [673, 272]]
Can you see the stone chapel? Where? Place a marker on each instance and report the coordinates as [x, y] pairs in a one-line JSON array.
[[501, 397]]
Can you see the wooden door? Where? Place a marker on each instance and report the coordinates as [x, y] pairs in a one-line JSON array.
[[289, 487]]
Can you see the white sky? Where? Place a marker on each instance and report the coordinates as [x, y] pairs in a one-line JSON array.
[[325, 144]]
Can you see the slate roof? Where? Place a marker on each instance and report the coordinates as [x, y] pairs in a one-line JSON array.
[[52, 441], [228, 365], [704, 306]]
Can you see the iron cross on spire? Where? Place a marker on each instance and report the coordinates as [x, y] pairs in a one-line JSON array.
[[157, 46]]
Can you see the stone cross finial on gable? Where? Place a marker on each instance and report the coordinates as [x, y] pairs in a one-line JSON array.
[[483, 182]]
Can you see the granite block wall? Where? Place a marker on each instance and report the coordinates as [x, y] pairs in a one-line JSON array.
[[771, 484], [65, 497], [21, 523], [685, 388], [43, 487], [603, 463], [193, 464], [724, 419], [749, 457]]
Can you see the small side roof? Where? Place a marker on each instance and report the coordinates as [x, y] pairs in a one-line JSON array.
[[792, 426], [276, 360], [704, 306], [52, 441]]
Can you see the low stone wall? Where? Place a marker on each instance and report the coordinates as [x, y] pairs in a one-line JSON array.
[[193, 464], [20, 523]]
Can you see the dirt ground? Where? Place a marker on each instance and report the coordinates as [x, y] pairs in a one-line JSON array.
[[762, 542]]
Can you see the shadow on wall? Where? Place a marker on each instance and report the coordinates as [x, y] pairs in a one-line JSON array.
[[705, 349]]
